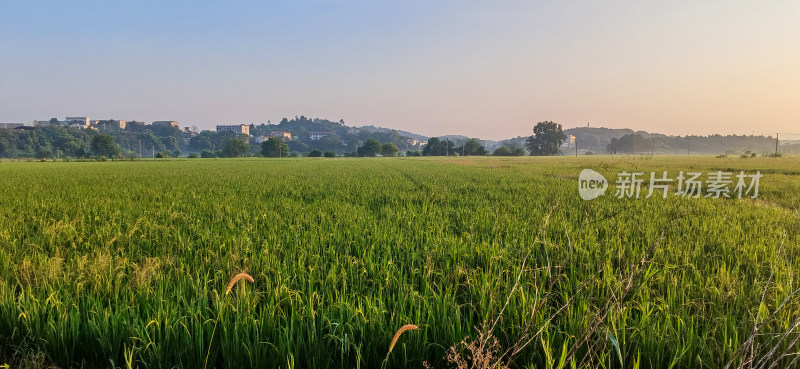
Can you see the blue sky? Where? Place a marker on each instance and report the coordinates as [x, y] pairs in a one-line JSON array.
[[489, 69]]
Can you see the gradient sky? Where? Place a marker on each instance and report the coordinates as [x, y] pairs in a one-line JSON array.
[[488, 69]]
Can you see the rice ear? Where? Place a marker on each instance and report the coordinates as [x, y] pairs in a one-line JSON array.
[[407, 327], [236, 278]]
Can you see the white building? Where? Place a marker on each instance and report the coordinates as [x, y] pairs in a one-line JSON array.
[[316, 136], [282, 135], [10, 125], [80, 122], [238, 128], [77, 122]]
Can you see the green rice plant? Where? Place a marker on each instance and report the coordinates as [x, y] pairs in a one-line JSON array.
[[126, 262]]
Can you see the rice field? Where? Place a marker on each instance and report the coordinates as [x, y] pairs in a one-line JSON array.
[[130, 264]]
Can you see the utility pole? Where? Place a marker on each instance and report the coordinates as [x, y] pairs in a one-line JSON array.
[[653, 148], [776, 144], [576, 146], [154, 151], [140, 149], [687, 146]]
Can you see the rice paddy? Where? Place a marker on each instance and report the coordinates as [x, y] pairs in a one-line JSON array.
[[137, 263]]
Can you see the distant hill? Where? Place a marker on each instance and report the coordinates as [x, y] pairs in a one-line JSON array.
[[400, 132], [598, 139], [336, 136]]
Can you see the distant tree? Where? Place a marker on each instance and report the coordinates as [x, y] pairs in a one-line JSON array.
[[473, 146], [193, 155], [431, 148], [547, 138], [502, 151], [150, 141], [274, 147], [315, 154], [165, 130], [330, 154], [613, 146], [207, 154], [351, 143], [170, 143], [134, 126], [413, 153], [201, 142], [44, 152], [235, 148], [371, 147], [328, 143], [104, 145], [71, 147], [509, 150], [437, 147], [296, 146], [629, 143], [389, 149]]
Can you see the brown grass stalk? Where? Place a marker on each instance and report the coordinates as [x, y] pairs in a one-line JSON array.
[[237, 278], [407, 327]]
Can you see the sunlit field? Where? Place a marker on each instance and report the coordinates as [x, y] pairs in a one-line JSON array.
[[126, 264]]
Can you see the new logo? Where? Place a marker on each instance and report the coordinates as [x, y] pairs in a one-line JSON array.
[[591, 184]]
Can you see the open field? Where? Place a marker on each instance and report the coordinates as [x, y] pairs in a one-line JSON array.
[[104, 263]]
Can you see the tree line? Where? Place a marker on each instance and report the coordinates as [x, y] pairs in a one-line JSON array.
[[142, 140], [546, 140]]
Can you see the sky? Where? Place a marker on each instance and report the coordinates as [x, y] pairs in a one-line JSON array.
[[490, 69]]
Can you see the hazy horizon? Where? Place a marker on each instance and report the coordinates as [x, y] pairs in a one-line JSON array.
[[480, 69]]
